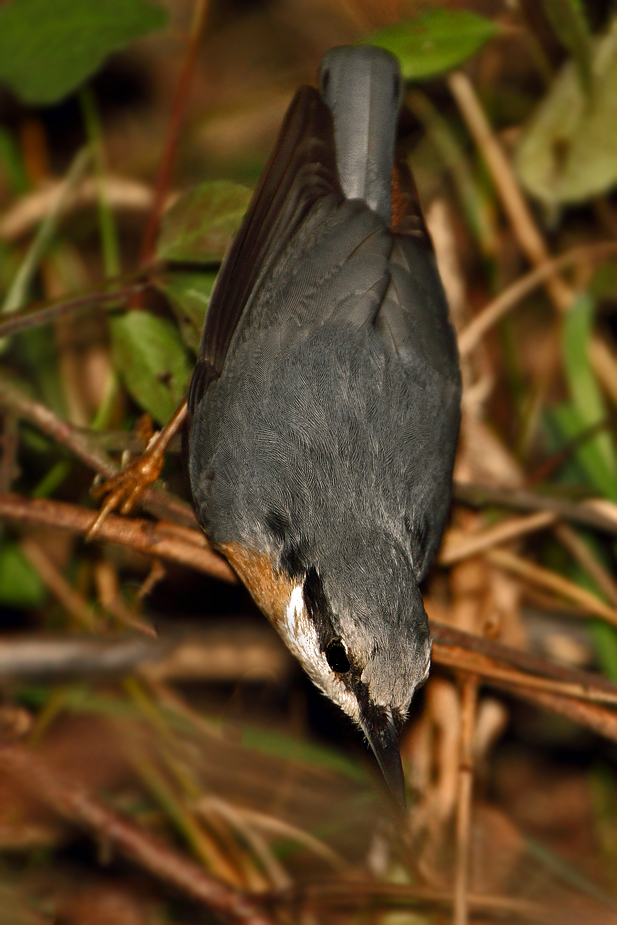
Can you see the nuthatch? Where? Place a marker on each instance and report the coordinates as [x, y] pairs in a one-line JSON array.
[[324, 408]]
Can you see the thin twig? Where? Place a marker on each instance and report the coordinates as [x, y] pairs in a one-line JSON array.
[[73, 602], [86, 447], [458, 546], [173, 133], [154, 539], [469, 698], [77, 807], [457, 658], [597, 513], [470, 337], [41, 313], [554, 582], [515, 205]]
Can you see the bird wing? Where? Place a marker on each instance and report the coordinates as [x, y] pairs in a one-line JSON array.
[[414, 316], [301, 171]]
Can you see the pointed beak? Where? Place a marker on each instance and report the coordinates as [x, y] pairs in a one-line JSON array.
[[379, 728]]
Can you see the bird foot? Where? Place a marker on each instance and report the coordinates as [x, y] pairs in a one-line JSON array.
[[123, 490]]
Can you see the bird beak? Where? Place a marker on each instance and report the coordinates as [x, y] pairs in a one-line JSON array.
[[379, 728]]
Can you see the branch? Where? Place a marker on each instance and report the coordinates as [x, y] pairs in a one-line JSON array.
[[162, 540]]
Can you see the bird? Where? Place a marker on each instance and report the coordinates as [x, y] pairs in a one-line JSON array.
[[324, 407]]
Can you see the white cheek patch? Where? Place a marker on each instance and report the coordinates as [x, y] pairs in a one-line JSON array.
[[300, 635], [299, 631]]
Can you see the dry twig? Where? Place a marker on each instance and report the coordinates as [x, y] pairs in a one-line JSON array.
[[471, 336], [161, 539], [86, 447], [519, 213], [469, 698]]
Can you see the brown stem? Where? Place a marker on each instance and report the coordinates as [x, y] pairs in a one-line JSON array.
[[469, 699], [173, 133], [578, 512], [77, 807], [41, 313], [457, 642], [155, 539]]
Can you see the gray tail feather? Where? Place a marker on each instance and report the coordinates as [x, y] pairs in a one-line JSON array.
[[363, 89]]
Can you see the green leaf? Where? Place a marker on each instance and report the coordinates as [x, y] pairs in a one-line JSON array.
[[49, 47], [598, 451], [435, 41], [189, 296], [200, 225], [20, 583], [198, 229], [569, 150], [151, 360], [567, 17]]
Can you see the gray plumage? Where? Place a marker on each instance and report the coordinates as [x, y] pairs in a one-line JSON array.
[[325, 408]]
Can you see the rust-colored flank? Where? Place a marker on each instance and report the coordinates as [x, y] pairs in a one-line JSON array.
[[269, 589]]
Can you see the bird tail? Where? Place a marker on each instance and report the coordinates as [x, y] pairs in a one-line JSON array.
[[363, 88]]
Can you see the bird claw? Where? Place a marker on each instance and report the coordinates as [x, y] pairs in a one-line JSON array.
[[124, 489]]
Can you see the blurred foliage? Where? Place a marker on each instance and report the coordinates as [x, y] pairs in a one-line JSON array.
[[435, 41], [45, 57], [569, 150]]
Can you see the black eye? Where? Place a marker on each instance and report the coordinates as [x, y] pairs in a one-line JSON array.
[[336, 654], [325, 81], [397, 87]]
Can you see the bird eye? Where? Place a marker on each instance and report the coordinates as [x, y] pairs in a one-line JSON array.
[[325, 81], [336, 655], [397, 87]]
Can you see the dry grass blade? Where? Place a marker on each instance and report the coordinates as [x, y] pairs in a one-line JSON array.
[[79, 808], [585, 558], [519, 213], [458, 545], [353, 895], [598, 513], [281, 829], [240, 824], [25, 214], [471, 336], [551, 580]]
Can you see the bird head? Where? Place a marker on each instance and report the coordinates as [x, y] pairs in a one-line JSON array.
[[356, 622]]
